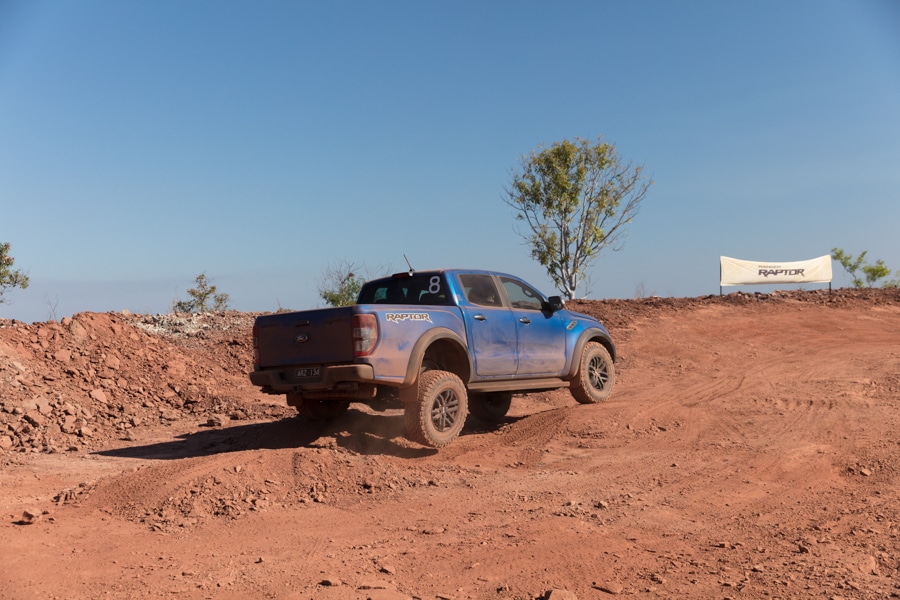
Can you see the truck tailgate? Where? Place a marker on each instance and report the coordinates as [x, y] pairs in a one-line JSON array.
[[308, 337]]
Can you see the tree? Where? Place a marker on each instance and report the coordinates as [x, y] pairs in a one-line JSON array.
[[875, 272], [576, 198], [872, 273], [201, 296], [340, 283], [850, 264], [9, 278]]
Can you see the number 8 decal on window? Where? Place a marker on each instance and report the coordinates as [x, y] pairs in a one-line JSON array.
[[434, 285]]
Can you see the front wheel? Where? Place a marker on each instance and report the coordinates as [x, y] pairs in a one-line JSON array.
[[596, 375], [437, 414]]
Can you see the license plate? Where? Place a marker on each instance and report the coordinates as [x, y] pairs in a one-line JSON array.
[[311, 372]]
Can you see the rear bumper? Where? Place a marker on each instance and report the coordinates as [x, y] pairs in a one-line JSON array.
[[283, 380]]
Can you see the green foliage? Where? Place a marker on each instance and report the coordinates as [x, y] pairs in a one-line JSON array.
[[850, 264], [203, 298], [282, 309], [576, 198], [871, 273], [340, 284], [9, 278], [875, 272]]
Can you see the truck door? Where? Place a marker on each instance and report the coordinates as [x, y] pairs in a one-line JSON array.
[[541, 336], [490, 327]]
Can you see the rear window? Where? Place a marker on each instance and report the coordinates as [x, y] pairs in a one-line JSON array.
[[417, 289]]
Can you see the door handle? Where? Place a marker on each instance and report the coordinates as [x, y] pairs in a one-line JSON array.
[[479, 317], [525, 321]]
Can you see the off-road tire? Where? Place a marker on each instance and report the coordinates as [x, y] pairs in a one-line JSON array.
[[596, 375], [322, 410], [490, 407], [437, 414]]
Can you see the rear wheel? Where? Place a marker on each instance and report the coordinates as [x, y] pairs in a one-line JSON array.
[[437, 414], [322, 410], [490, 407], [596, 375]]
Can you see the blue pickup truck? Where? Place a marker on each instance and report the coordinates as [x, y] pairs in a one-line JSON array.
[[445, 343]]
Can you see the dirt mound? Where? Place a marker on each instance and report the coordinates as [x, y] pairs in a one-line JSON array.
[[619, 314], [95, 377]]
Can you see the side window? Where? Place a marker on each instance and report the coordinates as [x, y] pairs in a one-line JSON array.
[[521, 296], [480, 290]]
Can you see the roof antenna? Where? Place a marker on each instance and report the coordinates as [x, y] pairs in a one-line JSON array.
[[411, 270]]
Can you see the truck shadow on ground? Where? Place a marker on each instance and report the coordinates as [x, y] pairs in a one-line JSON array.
[[356, 431]]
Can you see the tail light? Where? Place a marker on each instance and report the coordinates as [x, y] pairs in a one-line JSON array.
[[365, 334]]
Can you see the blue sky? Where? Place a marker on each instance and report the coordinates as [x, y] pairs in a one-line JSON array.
[[142, 143]]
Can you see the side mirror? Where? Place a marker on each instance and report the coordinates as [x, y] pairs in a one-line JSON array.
[[555, 303]]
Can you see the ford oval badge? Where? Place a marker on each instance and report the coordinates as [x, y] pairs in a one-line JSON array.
[[302, 338]]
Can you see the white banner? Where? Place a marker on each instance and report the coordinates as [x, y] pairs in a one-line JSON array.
[[745, 272]]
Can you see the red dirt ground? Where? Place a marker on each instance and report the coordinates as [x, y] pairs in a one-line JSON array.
[[750, 450]]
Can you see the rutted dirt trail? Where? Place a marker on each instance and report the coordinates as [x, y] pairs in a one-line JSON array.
[[750, 450]]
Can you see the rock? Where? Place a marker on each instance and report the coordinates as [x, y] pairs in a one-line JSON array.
[[376, 584], [869, 565], [609, 588], [560, 595], [31, 516], [99, 395], [35, 418], [79, 333], [6, 442], [217, 421], [69, 424], [176, 368], [42, 405]]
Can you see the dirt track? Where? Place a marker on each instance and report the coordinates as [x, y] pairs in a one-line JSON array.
[[750, 450]]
